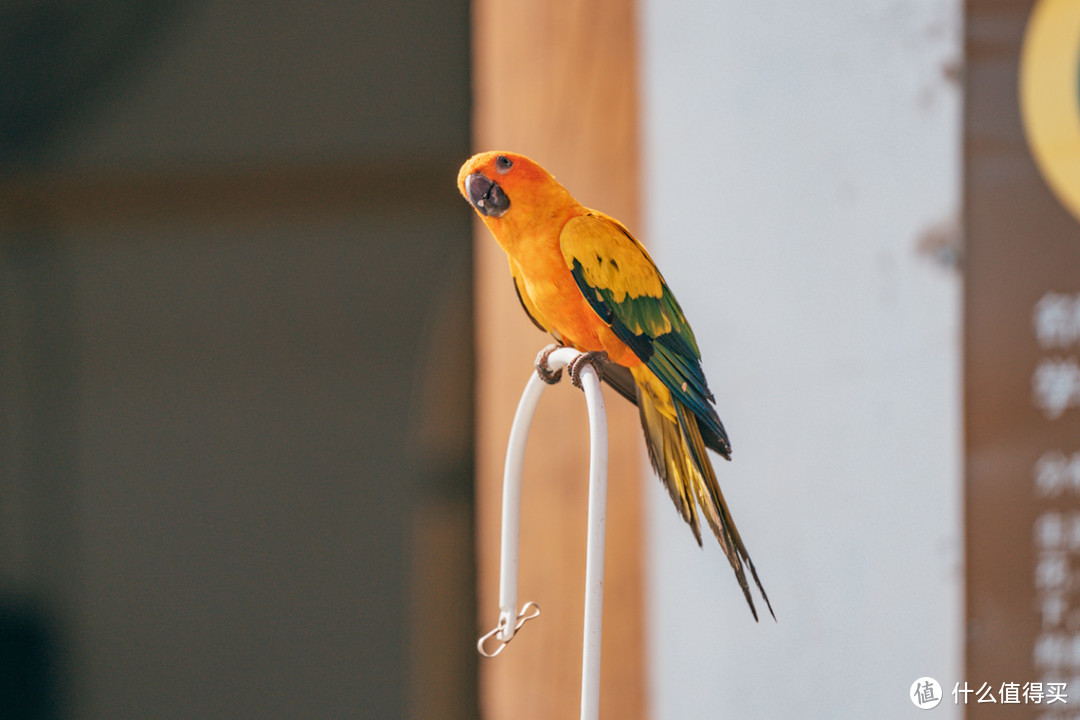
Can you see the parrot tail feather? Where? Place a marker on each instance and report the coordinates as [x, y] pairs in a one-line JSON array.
[[664, 441], [678, 455]]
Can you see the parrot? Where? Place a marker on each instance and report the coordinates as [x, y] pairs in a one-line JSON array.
[[585, 280]]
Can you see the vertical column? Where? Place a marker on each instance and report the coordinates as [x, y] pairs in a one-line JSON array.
[[556, 82]]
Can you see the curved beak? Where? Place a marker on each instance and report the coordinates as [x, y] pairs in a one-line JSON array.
[[486, 195]]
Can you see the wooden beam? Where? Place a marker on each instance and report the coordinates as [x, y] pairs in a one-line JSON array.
[[557, 82], [103, 196]]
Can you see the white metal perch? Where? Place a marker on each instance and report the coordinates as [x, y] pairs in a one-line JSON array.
[[510, 619]]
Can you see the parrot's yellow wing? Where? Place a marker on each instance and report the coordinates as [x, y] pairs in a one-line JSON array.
[[623, 286]]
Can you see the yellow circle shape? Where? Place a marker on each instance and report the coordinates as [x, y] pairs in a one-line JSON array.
[[1050, 96]]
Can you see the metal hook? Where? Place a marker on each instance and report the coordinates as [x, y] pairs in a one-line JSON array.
[[529, 611]]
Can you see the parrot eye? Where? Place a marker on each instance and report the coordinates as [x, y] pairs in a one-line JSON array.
[[503, 164]]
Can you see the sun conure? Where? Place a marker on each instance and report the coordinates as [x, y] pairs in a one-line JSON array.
[[582, 277]]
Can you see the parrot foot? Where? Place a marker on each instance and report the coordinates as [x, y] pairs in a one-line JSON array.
[[597, 359], [543, 370]]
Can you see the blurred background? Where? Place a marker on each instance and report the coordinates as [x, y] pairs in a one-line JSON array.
[[235, 378], [257, 361]]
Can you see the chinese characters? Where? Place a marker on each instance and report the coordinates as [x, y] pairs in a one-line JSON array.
[[1011, 693], [1055, 383]]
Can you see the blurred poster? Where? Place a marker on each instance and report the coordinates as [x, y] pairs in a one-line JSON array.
[[1022, 359]]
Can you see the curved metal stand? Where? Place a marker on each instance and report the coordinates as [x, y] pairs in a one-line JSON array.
[[510, 619]]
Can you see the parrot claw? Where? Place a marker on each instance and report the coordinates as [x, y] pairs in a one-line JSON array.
[[546, 374], [596, 359]]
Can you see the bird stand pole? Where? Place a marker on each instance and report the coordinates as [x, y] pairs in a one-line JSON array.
[[510, 619]]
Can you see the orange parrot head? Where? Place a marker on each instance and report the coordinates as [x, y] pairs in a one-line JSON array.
[[511, 192]]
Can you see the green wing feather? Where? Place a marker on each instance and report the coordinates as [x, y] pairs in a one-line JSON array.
[[623, 286]]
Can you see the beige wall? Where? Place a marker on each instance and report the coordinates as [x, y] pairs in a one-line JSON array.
[[802, 169]]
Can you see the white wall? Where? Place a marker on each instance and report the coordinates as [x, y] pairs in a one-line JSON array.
[[796, 153]]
